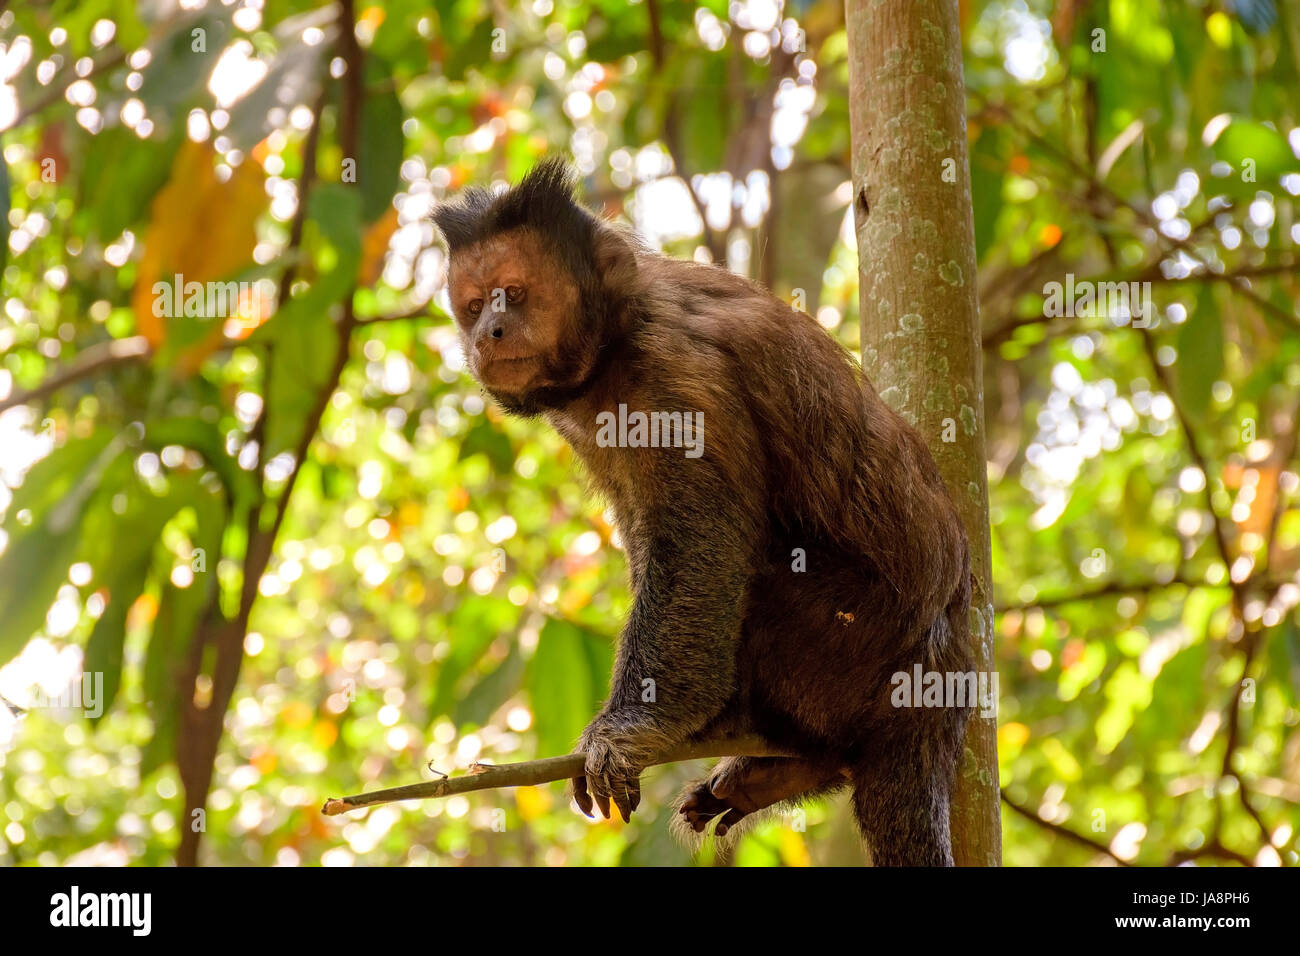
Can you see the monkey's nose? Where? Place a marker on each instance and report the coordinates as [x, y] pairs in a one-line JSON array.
[[498, 332]]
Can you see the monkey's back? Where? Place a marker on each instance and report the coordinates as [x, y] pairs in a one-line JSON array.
[[860, 564]]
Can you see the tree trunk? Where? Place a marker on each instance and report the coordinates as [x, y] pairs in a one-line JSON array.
[[920, 318]]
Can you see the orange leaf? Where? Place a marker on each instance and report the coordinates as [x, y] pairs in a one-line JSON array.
[[201, 229], [373, 246], [143, 611]]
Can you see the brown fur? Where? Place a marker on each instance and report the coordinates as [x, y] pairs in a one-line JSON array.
[[799, 453]]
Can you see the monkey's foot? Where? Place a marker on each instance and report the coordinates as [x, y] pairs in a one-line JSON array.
[[701, 806]]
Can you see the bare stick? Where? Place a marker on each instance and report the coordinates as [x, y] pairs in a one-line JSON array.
[[546, 770]]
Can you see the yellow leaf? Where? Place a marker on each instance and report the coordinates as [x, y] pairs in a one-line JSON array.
[[1012, 736], [324, 734], [1219, 27], [533, 802], [793, 850], [296, 713]]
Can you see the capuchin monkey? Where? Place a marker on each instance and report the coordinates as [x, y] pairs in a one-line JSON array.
[[790, 542]]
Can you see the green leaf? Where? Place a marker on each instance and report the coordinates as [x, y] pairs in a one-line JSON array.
[[53, 497], [706, 113], [136, 534], [475, 624], [180, 611], [485, 697], [119, 177], [1284, 658], [104, 649], [987, 172], [485, 439], [379, 164], [1265, 148], [475, 50], [306, 343], [1200, 354], [206, 439], [562, 685], [182, 60]]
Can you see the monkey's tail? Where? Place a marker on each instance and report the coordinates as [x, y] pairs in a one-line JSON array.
[[903, 784], [901, 800]]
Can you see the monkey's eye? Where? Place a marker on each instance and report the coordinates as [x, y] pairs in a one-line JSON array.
[[514, 294], [475, 307]]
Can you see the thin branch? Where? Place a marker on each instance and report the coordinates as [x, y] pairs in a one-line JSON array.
[[532, 772], [96, 358], [1220, 525], [426, 311], [1213, 849], [1185, 245], [1243, 792], [55, 93], [1250, 629], [1112, 589], [1003, 331], [1066, 832]]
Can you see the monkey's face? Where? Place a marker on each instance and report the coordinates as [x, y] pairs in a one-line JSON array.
[[517, 309]]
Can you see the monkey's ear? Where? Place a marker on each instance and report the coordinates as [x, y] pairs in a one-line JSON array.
[[615, 261]]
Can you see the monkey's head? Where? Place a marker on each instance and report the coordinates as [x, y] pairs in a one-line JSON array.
[[539, 288]]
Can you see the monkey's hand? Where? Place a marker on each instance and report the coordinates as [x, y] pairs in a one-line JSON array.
[[616, 752]]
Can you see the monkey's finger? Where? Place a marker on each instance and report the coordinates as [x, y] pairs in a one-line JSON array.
[[623, 800], [729, 820], [600, 791], [634, 791], [698, 821], [580, 795]]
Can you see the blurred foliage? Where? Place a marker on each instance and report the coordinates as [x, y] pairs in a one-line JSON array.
[[441, 587]]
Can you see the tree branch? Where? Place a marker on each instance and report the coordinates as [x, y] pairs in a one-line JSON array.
[[103, 355], [56, 92], [1066, 832], [1110, 589], [996, 335], [532, 772], [428, 311]]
